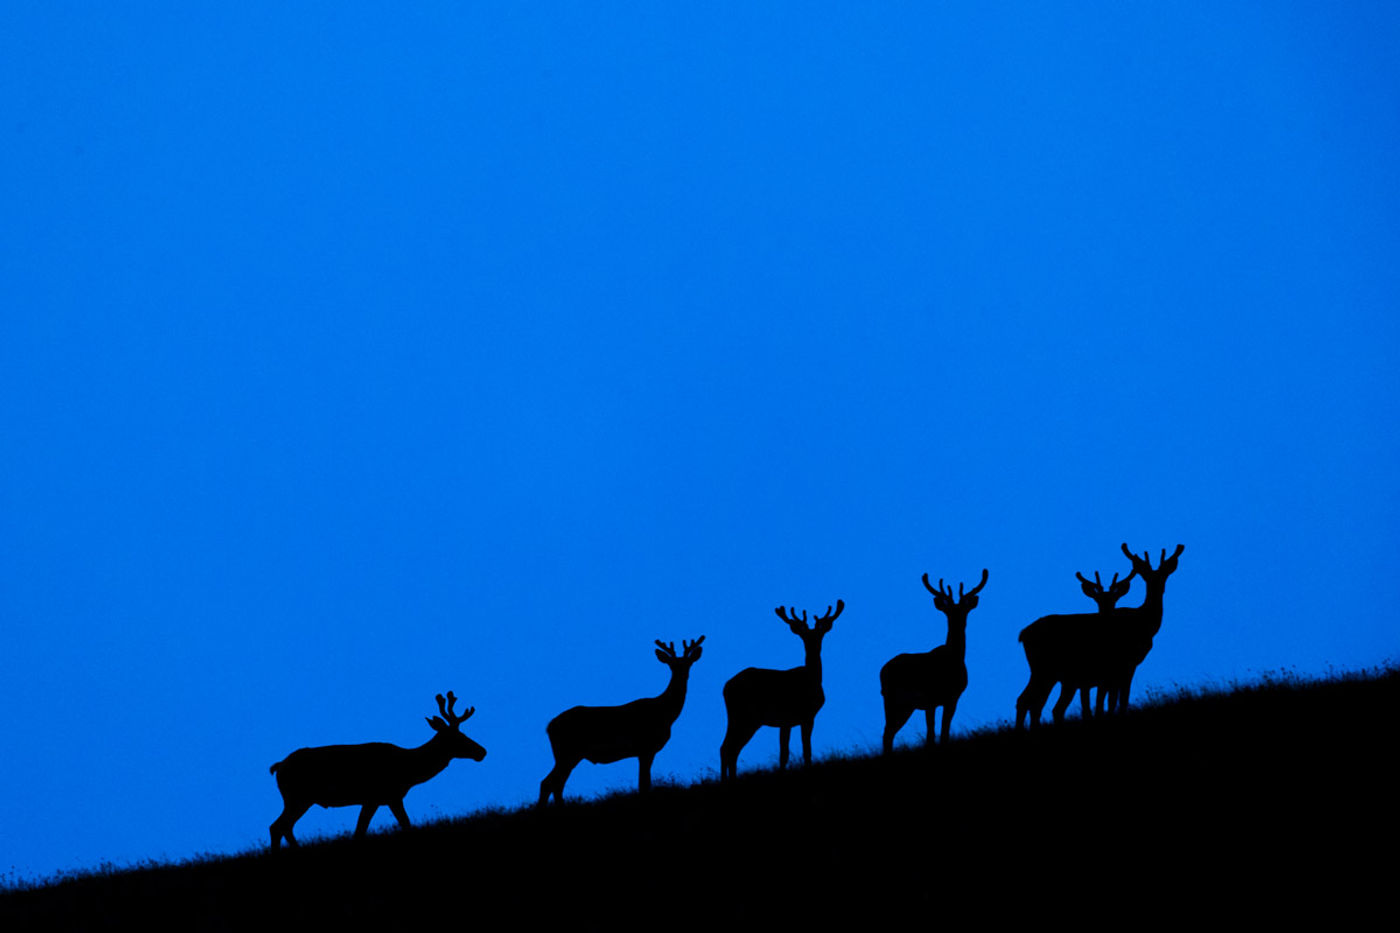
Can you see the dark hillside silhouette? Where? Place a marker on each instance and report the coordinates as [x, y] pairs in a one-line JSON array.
[[757, 696], [1103, 648], [934, 678], [369, 776], [604, 734], [1218, 817]]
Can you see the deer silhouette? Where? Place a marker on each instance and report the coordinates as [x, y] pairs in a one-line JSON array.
[[370, 775], [1133, 642], [604, 734], [757, 696], [934, 678], [1101, 648], [1106, 600]]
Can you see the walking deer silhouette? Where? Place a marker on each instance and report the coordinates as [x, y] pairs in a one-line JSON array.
[[371, 775], [1102, 648], [1106, 600], [934, 678], [604, 734], [757, 696]]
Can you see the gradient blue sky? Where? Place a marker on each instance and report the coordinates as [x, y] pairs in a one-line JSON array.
[[349, 355]]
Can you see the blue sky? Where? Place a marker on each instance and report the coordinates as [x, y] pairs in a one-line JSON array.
[[350, 355]]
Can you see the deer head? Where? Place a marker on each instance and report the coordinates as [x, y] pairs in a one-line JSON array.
[[955, 609], [1106, 598], [1166, 566], [811, 636], [679, 663], [448, 729]]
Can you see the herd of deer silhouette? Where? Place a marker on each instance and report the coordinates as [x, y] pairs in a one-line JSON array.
[[1080, 652]]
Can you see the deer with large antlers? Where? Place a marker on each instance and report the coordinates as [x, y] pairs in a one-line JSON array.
[[371, 775], [1103, 648], [934, 678], [604, 734], [757, 696]]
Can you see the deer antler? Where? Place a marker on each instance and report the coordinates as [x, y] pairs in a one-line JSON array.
[[792, 620], [947, 592], [1146, 559], [976, 589], [448, 711], [1098, 581]]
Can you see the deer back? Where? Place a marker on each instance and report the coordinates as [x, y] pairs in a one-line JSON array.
[[343, 775], [774, 698], [922, 678], [1072, 646], [604, 734]]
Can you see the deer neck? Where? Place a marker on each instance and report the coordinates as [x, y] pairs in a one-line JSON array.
[[1149, 614], [956, 643], [673, 697], [812, 665], [428, 759]]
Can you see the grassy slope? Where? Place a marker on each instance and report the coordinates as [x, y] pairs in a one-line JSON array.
[[1262, 803]]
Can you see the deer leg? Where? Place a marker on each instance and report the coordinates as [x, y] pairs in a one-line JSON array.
[[1038, 701], [396, 808], [1099, 701], [282, 826], [948, 709], [784, 734], [553, 782], [930, 726], [644, 773], [1122, 694], [1084, 712], [807, 741], [895, 718], [735, 738], [1032, 700], [366, 814], [1066, 694]]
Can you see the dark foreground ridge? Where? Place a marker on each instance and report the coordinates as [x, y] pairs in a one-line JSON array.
[[1263, 803]]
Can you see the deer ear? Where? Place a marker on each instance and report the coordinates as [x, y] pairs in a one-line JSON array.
[[695, 653], [437, 723], [661, 656]]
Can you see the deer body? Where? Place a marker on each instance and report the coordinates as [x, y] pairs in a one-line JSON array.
[[1087, 649], [934, 678], [1106, 599], [371, 775], [604, 734], [757, 697]]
